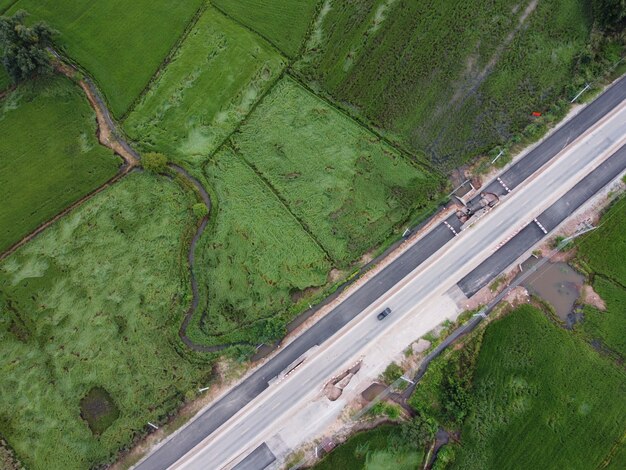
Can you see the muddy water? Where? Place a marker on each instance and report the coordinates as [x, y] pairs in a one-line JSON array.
[[559, 285]]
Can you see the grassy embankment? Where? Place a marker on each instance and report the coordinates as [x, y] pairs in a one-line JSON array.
[[602, 253], [120, 43], [50, 154], [282, 22], [455, 105], [212, 82], [90, 310]]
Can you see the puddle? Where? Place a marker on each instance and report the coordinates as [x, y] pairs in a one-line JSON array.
[[559, 285], [373, 391]]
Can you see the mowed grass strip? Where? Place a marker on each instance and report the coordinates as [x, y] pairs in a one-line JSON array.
[[120, 43], [348, 188], [50, 155], [542, 399], [283, 22], [214, 79], [253, 257], [95, 302], [453, 79]]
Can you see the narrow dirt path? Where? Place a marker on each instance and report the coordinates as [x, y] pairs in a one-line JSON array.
[[107, 136]]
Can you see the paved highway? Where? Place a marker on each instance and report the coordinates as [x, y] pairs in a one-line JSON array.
[[430, 280]]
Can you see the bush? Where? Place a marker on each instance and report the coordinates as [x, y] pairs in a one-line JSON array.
[[392, 373], [154, 162], [200, 210], [420, 430], [445, 457]]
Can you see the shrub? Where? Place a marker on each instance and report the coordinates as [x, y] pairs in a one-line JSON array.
[[154, 162], [392, 373], [200, 210]]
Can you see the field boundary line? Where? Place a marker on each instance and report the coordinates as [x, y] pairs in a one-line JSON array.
[[8, 7], [310, 29], [413, 159], [126, 169], [253, 31], [166, 60], [278, 196]]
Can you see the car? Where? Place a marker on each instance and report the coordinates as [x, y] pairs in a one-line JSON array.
[[383, 314]]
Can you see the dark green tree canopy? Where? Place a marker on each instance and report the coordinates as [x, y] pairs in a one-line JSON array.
[[610, 14], [24, 47]]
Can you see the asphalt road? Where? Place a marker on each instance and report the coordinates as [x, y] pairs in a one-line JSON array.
[[549, 219], [225, 408], [434, 278]]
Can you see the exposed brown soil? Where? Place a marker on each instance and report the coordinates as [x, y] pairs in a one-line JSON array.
[[591, 297]]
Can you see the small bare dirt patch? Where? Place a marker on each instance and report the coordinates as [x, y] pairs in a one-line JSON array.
[[591, 297]]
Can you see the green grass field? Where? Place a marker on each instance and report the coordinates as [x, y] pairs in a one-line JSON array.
[[283, 22], [603, 251], [348, 188], [253, 256], [120, 43], [542, 398], [372, 450], [50, 155], [449, 80], [96, 301], [211, 84]]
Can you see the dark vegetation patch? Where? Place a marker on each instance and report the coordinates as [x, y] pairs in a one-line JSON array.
[[98, 409], [453, 79]]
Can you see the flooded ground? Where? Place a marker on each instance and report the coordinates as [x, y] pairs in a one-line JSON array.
[[559, 285]]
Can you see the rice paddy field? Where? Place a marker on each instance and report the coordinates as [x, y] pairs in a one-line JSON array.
[[210, 85], [349, 189], [120, 43], [376, 449], [603, 253], [90, 313], [284, 23], [50, 155], [453, 79], [542, 398], [252, 258]]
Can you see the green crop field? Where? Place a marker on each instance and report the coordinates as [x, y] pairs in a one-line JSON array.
[[349, 189], [211, 84], [120, 43], [283, 22], [50, 155], [252, 258], [542, 398], [89, 312], [372, 450], [603, 251], [452, 79]]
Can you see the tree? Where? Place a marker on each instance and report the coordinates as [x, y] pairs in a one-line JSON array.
[[420, 430], [610, 14], [154, 162], [25, 54]]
